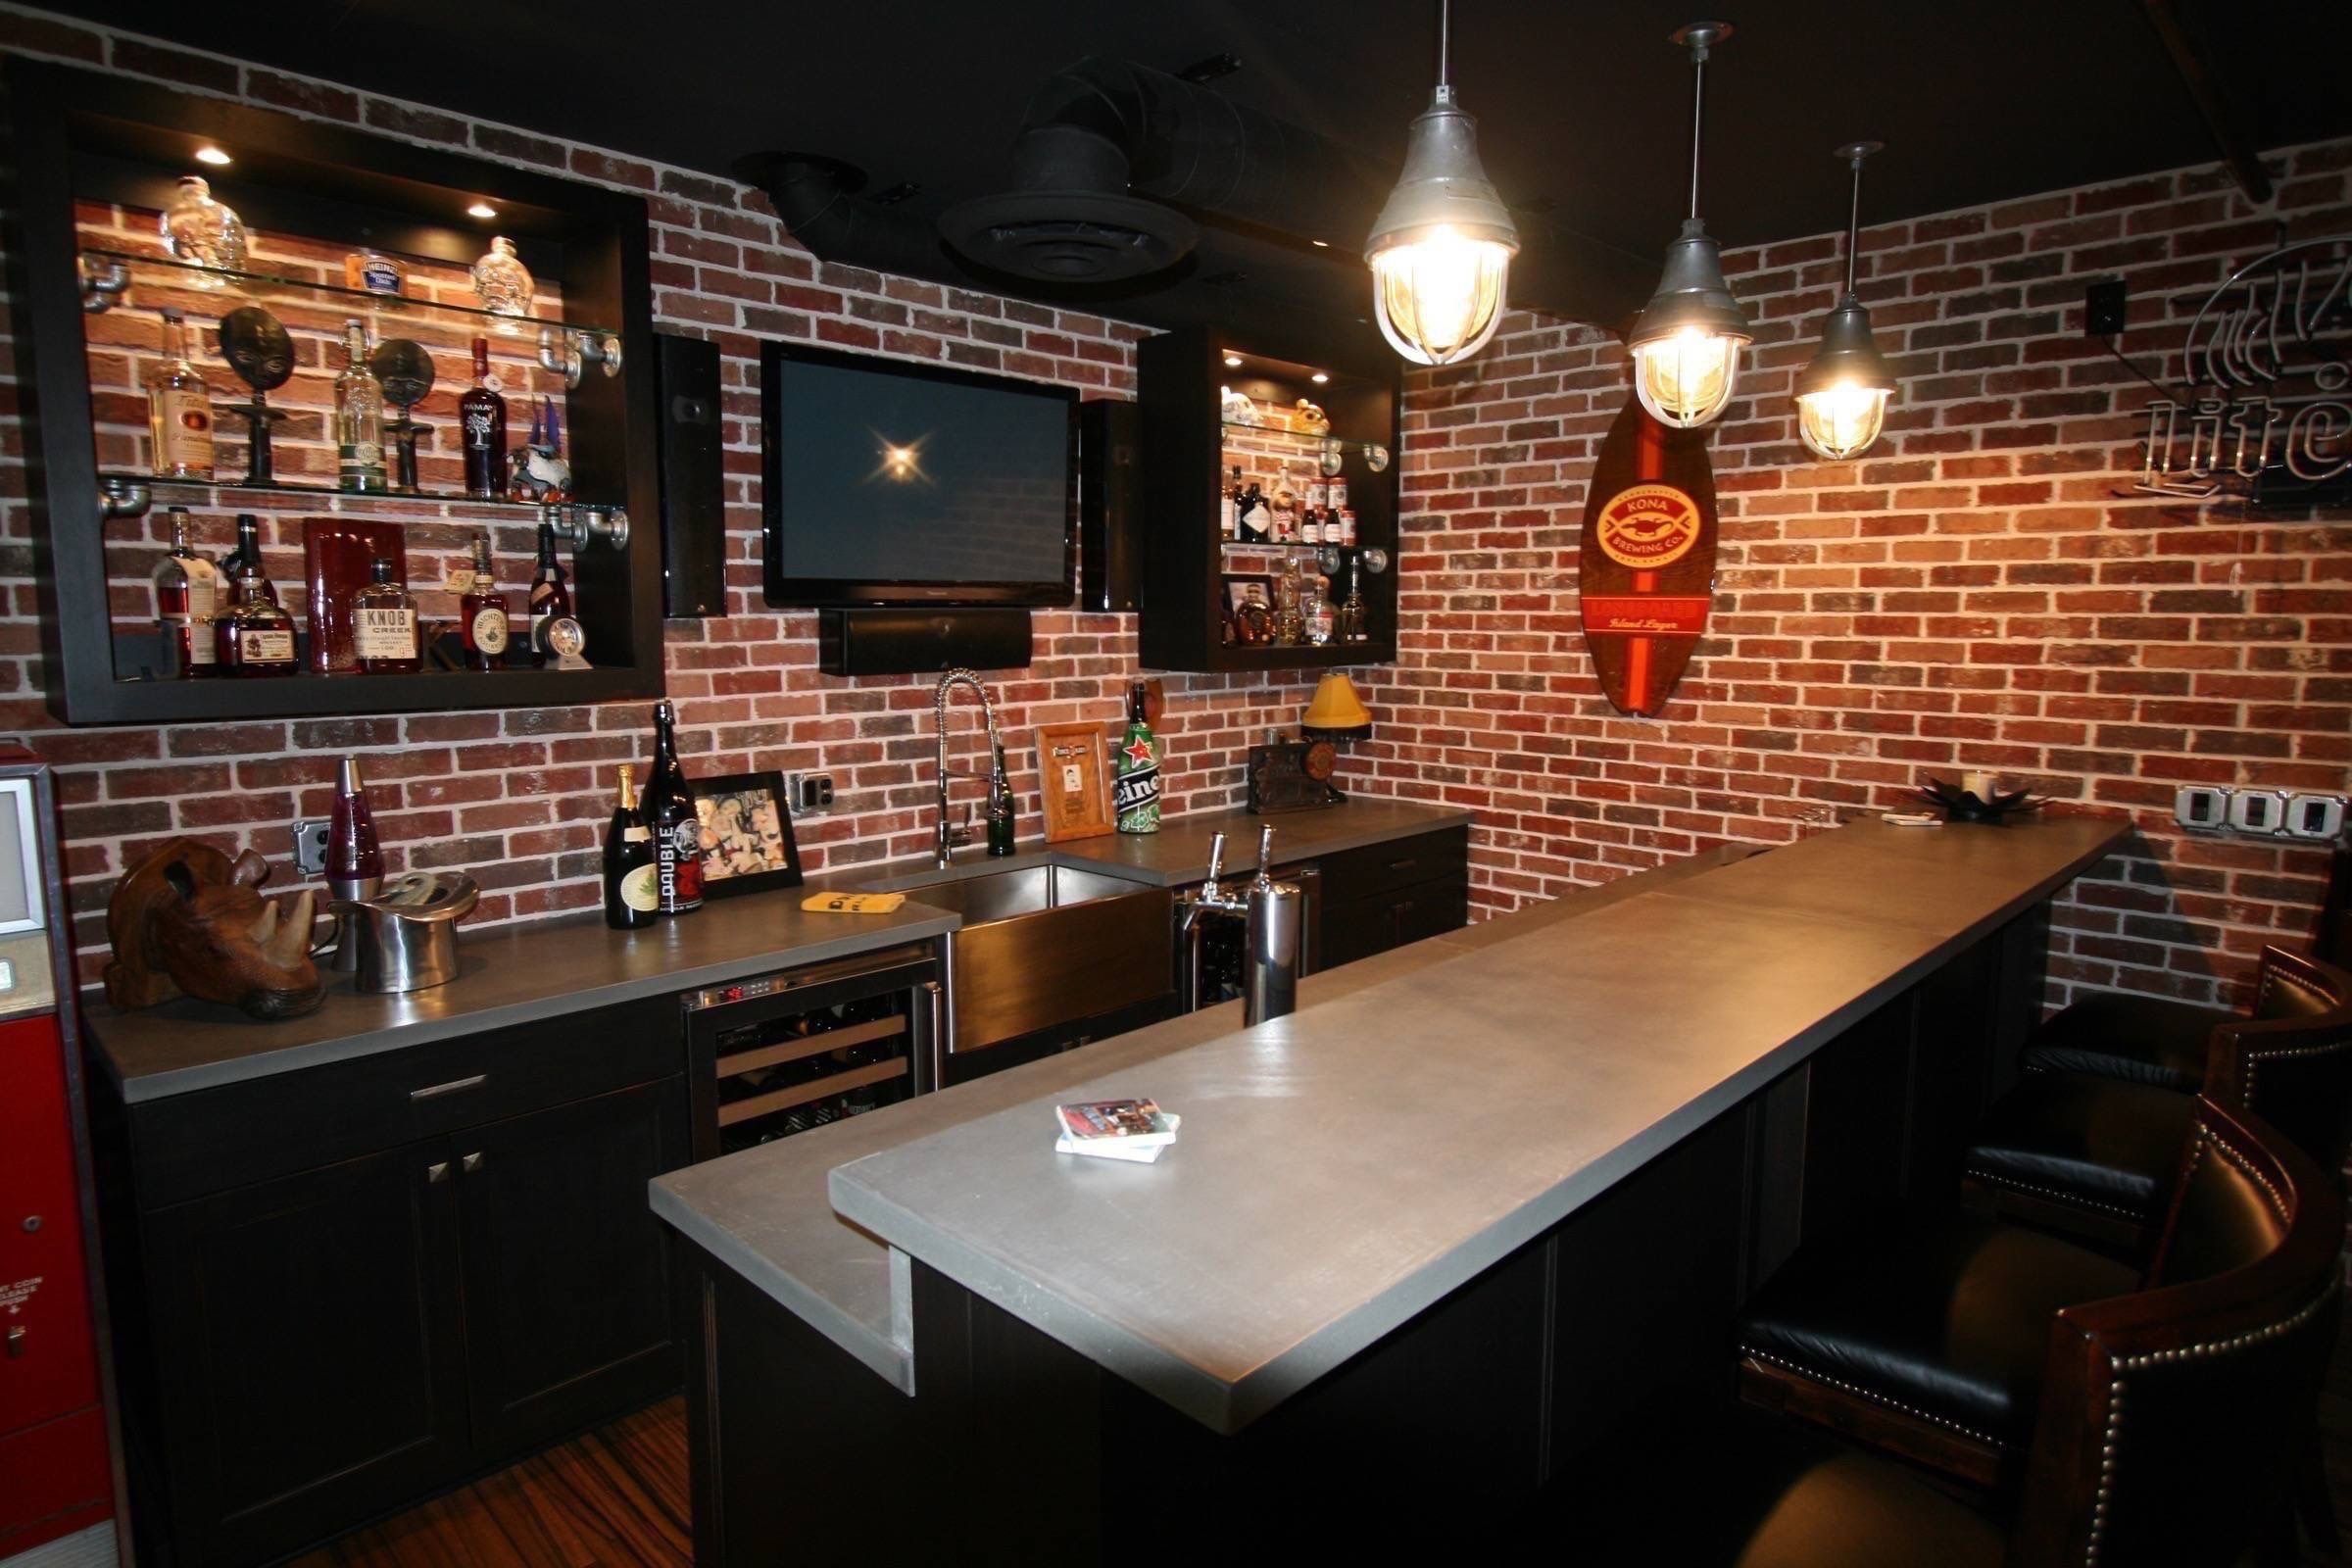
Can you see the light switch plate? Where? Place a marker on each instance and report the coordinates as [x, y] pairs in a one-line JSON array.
[[2258, 810], [2202, 805], [2315, 818]]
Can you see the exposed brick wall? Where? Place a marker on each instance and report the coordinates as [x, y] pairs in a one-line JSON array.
[[519, 797], [1972, 594]]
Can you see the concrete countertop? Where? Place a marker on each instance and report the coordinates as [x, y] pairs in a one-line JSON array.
[[518, 973], [1344, 1167]]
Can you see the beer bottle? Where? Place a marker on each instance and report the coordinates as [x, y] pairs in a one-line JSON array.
[[1135, 792], [677, 828]]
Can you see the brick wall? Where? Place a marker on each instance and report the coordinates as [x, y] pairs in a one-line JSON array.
[[519, 797], [1972, 594]]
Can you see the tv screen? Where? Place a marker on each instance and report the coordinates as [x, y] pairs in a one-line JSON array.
[[887, 483]]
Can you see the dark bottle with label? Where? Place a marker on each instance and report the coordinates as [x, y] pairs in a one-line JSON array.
[[482, 422], [677, 828], [1000, 821], [253, 637], [632, 879], [1254, 522], [249, 549], [1135, 794], [551, 595], [482, 613]]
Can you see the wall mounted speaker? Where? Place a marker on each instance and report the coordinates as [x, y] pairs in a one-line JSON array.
[[694, 512], [1111, 507], [921, 642]]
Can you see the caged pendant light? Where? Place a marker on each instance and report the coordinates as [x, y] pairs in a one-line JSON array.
[[1841, 395], [1441, 251], [1687, 341]]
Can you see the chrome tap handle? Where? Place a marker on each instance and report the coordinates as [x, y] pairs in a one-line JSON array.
[[1265, 857], [1216, 864]]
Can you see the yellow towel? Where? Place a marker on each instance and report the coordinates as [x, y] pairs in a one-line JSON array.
[[853, 903]]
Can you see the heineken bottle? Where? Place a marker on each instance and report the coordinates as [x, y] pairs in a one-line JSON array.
[[1135, 795]]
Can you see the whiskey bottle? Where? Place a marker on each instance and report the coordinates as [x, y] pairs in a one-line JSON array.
[[632, 879], [1135, 795], [187, 596], [483, 419], [255, 637], [383, 625], [1255, 521], [249, 550], [359, 419], [677, 828], [180, 409], [482, 613], [551, 595], [1229, 520]]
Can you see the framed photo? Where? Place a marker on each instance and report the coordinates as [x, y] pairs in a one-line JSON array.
[[747, 834], [1247, 590], [1073, 780]]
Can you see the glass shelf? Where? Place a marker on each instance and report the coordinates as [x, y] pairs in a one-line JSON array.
[[373, 498], [246, 288], [1315, 443]]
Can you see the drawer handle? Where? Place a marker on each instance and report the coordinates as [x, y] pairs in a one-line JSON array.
[[1405, 865], [437, 1171], [454, 1086], [470, 1163]]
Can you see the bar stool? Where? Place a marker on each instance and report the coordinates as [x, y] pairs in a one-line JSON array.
[[1931, 1343], [2155, 1040], [2093, 1155], [2157, 1430]]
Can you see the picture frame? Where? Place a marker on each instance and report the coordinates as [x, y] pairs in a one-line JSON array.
[[1073, 779], [1245, 589], [748, 842]]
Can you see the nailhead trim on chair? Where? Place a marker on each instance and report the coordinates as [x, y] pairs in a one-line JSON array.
[[2254, 1057], [2117, 1366], [2053, 1193], [2245, 1167], [1871, 1394]]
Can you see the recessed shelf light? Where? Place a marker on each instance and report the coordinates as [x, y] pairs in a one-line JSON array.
[[482, 210], [1320, 244], [213, 156], [1318, 378], [1232, 362]]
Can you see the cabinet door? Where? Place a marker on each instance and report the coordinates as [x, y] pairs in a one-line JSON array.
[[570, 1310], [310, 1356]]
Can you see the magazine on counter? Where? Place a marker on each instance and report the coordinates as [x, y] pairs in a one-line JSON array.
[[1134, 1130]]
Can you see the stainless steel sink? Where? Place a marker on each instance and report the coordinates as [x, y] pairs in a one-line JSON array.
[[980, 895]]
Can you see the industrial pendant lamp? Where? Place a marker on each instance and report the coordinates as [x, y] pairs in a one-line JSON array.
[[1688, 338], [1440, 253], [1841, 395]]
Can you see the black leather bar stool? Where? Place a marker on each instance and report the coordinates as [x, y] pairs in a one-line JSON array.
[[2158, 1428], [1930, 1341], [2093, 1155], [2155, 1040]]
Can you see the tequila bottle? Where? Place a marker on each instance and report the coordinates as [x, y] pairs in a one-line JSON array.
[[359, 419]]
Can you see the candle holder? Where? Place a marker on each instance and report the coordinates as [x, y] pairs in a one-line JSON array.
[[1966, 805], [259, 348]]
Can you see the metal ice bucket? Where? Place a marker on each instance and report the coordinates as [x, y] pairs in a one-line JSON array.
[[408, 932]]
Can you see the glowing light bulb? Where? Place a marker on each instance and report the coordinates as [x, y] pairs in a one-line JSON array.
[[213, 156], [1685, 379], [1842, 421], [1438, 295]]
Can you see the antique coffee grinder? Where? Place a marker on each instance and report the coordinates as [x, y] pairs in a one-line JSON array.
[[260, 349]]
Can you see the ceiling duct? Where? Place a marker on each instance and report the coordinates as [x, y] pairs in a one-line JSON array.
[[817, 200], [1110, 149]]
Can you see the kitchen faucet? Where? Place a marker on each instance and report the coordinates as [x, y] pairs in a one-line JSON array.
[[946, 837]]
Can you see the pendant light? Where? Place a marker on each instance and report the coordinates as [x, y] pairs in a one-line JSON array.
[[1440, 253], [1688, 338], [1841, 395]]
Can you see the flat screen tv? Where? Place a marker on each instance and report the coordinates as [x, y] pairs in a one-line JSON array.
[[891, 483]]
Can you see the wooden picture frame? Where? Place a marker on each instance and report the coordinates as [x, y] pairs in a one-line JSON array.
[[1073, 778], [748, 842]]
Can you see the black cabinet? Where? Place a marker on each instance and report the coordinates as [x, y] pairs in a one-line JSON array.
[[390, 1274], [1387, 895]]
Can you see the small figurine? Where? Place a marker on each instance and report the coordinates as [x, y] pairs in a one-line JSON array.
[[1309, 419], [501, 281], [1235, 408], [538, 473], [260, 349]]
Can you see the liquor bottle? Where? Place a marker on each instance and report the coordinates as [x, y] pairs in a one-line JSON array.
[[255, 637], [551, 595], [1290, 586], [676, 827], [1310, 522], [180, 409], [482, 612], [359, 419], [1229, 520], [1135, 794], [482, 419], [1254, 522], [249, 550], [1000, 809], [632, 879], [202, 231], [383, 625], [187, 596], [1347, 539]]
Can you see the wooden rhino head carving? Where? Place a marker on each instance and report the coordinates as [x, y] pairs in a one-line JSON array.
[[187, 919]]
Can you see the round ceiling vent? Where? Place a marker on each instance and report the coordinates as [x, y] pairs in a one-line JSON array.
[[1070, 236]]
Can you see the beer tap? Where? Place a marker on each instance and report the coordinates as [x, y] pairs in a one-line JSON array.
[[1273, 911]]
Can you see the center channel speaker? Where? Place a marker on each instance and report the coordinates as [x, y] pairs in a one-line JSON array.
[[694, 508], [921, 642]]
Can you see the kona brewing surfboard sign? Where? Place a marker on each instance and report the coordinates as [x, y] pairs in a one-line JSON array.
[[1646, 570]]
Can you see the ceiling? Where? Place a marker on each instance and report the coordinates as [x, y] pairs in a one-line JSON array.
[[1583, 108]]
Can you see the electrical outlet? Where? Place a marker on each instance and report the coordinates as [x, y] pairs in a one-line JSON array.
[[2317, 818], [2201, 806], [808, 792], [2103, 305], [309, 845]]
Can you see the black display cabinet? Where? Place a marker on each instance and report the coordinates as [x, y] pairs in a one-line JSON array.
[[85, 141], [1189, 452]]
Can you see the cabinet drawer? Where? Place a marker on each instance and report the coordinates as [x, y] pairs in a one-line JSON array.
[[1379, 869], [1362, 927], [214, 1139]]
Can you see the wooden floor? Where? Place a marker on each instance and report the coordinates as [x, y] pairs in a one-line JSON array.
[[617, 1498]]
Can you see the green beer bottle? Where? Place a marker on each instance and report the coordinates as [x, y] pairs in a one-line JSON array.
[[1135, 795]]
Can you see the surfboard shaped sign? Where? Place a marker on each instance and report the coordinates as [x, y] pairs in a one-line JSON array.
[[1646, 570]]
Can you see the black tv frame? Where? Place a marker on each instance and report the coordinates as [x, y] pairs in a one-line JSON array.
[[833, 593]]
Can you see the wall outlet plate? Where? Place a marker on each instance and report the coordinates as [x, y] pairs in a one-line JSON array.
[[808, 792], [2258, 810], [2202, 805], [2315, 818], [2103, 305], [309, 845]]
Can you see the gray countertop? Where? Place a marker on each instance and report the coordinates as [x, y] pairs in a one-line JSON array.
[[1344, 1167], [515, 973]]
